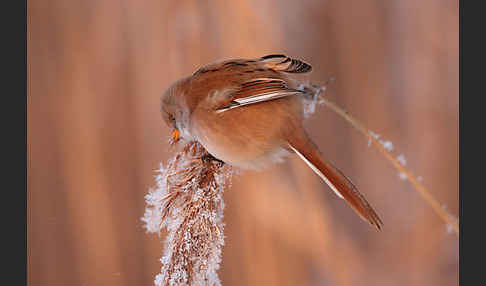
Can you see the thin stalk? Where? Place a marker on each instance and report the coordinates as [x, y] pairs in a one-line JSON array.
[[426, 195]]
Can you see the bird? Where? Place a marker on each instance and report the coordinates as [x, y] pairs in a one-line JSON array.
[[248, 113]]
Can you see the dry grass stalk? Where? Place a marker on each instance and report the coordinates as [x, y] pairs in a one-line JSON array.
[[188, 201], [449, 219]]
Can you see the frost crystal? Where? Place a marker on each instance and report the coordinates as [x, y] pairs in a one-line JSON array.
[[402, 160], [188, 201], [374, 135], [312, 96], [388, 145]]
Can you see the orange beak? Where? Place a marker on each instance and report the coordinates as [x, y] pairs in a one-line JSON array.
[[175, 135]]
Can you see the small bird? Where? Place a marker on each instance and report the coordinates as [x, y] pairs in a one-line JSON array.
[[249, 113]]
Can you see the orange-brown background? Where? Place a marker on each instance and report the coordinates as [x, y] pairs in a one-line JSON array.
[[96, 70]]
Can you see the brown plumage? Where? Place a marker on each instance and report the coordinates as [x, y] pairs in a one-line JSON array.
[[248, 113]]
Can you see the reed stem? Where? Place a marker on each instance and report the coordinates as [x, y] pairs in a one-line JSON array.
[[421, 189]]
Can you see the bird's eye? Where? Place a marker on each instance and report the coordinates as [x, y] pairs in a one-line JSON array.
[[171, 117]]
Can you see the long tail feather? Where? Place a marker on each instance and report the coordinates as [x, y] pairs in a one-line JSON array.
[[336, 180]]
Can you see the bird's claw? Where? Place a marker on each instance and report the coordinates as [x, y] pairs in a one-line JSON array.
[[206, 158]]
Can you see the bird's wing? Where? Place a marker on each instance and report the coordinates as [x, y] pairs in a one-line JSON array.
[[276, 63], [285, 64], [240, 82], [255, 91]]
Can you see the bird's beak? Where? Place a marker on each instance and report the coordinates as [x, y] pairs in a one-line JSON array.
[[175, 135]]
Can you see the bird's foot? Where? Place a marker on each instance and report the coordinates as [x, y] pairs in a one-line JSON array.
[[210, 158]]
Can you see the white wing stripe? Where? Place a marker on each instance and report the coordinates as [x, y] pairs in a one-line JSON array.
[[264, 97], [258, 98]]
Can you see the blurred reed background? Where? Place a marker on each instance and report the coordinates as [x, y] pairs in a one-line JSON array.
[[96, 70]]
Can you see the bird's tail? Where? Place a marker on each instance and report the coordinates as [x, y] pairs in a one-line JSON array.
[[336, 180]]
